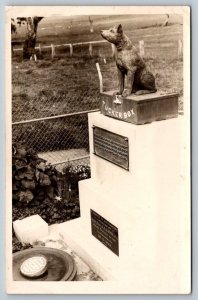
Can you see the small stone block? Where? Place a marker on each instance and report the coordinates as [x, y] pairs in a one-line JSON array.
[[140, 109], [30, 229]]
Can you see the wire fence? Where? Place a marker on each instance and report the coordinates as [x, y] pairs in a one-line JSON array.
[[61, 139], [26, 108]]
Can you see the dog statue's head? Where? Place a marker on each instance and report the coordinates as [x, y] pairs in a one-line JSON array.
[[113, 35]]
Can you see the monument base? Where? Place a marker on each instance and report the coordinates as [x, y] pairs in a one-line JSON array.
[[132, 230], [151, 254]]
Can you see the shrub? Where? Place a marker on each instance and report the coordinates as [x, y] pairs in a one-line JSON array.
[[32, 178], [38, 188]]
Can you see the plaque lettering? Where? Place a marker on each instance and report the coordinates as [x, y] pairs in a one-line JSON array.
[[111, 146], [105, 232]]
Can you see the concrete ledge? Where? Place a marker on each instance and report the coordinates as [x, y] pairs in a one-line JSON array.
[[88, 248]]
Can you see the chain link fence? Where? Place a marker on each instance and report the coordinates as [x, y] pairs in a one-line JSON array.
[[26, 108], [50, 105], [55, 128], [57, 140]]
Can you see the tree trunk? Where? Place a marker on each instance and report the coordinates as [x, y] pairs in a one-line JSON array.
[[30, 41]]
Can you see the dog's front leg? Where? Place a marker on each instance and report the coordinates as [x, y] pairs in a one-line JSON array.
[[130, 80], [121, 82]]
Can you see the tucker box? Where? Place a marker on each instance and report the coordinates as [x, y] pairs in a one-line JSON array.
[[140, 109]]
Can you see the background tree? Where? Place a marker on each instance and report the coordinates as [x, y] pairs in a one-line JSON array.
[[13, 26], [30, 40], [13, 31]]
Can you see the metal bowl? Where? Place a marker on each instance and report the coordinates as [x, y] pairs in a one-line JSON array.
[[60, 265]]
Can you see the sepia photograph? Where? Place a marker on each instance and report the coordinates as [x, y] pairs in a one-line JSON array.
[[98, 197]]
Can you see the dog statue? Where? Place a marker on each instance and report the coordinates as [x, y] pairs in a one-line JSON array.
[[139, 80]]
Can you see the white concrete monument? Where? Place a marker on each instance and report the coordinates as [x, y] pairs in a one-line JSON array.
[[132, 223]]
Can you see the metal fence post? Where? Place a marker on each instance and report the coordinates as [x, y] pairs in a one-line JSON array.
[[53, 50], [71, 50], [179, 49], [90, 50], [100, 77], [39, 48], [141, 47]]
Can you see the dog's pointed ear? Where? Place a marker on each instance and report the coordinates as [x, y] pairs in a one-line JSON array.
[[119, 29]]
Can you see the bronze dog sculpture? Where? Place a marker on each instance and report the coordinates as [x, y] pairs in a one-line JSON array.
[[130, 64]]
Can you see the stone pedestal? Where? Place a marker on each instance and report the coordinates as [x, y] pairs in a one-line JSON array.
[[131, 227]]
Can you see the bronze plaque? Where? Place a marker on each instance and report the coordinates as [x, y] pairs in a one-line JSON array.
[[111, 146], [105, 232]]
